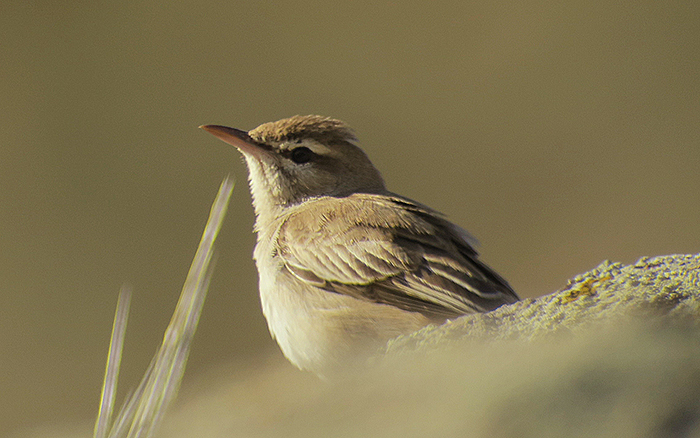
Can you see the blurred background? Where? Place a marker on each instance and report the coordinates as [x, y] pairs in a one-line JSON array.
[[560, 134]]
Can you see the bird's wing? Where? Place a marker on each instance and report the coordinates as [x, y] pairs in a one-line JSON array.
[[389, 250]]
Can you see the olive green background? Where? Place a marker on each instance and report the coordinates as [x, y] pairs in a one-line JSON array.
[[559, 133]]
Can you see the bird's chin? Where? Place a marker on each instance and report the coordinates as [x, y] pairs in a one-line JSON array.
[[261, 180], [254, 162]]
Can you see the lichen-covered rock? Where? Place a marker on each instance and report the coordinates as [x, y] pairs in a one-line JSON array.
[[659, 287]]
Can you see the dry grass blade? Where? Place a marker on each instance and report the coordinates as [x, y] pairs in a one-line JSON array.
[[114, 356], [145, 407]]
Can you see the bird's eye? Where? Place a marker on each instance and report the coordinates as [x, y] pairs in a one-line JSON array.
[[302, 155]]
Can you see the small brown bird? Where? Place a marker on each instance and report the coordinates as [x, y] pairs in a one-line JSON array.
[[345, 265]]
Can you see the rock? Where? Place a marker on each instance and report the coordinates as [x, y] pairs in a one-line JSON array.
[[666, 287]]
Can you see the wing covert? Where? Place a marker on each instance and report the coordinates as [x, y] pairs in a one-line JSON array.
[[389, 250]]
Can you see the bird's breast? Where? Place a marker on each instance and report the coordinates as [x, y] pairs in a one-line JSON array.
[[321, 331]]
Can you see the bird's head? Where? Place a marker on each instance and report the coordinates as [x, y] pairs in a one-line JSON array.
[[301, 157]]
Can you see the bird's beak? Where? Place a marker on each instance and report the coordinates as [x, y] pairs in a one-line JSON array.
[[240, 139]]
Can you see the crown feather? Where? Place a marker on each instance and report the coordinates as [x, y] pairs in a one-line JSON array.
[[322, 129]]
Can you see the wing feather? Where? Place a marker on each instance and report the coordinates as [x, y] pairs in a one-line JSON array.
[[389, 250]]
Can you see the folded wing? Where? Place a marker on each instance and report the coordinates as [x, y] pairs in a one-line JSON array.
[[389, 250]]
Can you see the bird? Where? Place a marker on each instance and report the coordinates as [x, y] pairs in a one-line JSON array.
[[344, 265]]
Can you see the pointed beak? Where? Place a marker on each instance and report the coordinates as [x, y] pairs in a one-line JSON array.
[[240, 139]]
